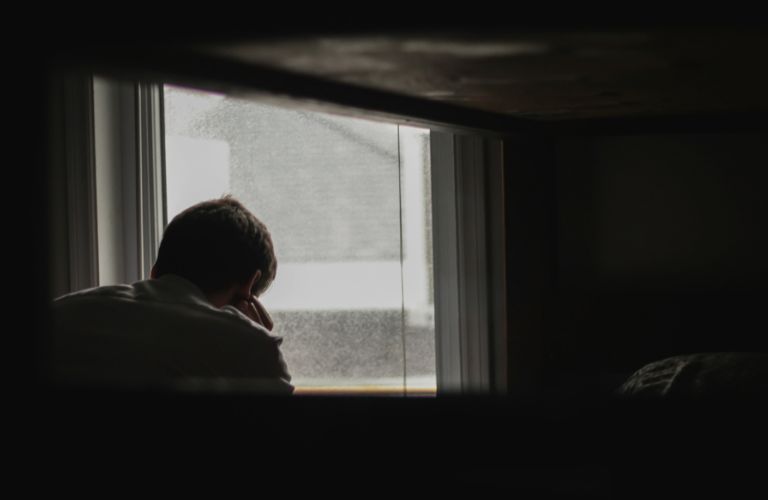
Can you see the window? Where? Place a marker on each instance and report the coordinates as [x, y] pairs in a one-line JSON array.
[[417, 211], [348, 204]]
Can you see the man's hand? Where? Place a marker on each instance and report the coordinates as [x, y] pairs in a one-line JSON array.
[[252, 308]]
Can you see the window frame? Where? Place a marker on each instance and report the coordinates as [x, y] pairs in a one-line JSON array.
[[72, 186], [130, 173], [467, 210], [469, 268]]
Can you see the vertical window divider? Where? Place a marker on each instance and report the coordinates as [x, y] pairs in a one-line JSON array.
[[151, 172], [402, 271], [446, 272]]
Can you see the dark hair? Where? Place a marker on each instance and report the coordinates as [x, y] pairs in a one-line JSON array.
[[216, 244]]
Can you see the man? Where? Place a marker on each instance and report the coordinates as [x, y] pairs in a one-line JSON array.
[[196, 322]]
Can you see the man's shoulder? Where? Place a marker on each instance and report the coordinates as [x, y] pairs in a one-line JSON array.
[[124, 291], [160, 304], [170, 290]]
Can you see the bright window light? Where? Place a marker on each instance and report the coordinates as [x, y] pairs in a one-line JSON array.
[[348, 204]]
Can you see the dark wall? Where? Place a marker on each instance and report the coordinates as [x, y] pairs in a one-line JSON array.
[[530, 205], [640, 247]]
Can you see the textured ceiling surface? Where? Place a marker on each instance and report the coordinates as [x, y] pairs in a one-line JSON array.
[[545, 76]]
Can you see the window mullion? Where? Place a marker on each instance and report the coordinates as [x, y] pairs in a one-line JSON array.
[[446, 271], [151, 172]]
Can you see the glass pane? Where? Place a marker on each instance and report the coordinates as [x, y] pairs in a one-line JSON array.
[[418, 296], [346, 302]]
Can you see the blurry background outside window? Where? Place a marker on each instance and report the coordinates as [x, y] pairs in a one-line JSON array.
[[348, 204]]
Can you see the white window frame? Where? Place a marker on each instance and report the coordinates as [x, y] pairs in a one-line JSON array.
[[468, 226], [128, 143]]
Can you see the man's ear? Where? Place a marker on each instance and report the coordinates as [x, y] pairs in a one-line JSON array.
[[153, 272], [245, 289]]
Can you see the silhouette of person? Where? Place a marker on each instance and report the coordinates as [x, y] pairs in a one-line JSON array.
[[196, 322]]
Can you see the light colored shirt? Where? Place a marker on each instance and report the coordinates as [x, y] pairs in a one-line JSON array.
[[162, 332]]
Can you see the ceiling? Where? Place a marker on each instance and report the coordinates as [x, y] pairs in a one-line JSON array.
[[545, 76]]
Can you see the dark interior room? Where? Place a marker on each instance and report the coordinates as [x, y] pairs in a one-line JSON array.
[[624, 225]]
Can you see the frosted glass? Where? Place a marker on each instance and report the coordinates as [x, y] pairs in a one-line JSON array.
[[353, 293], [199, 169], [418, 296]]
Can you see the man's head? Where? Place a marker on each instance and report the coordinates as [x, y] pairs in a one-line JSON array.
[[217, 245]]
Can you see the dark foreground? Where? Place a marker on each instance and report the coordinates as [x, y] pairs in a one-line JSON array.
[[162, 443]]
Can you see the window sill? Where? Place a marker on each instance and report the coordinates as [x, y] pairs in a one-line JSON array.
[[362, 390]]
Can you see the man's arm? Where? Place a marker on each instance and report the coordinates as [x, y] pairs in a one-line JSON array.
[[256, 311]]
